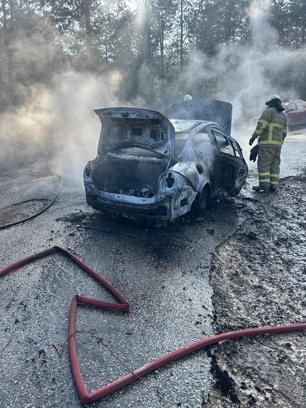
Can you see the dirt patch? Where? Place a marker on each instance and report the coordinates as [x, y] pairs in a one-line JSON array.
[[258, 278]]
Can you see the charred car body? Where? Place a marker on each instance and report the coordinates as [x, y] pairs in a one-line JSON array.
[[151, 166]]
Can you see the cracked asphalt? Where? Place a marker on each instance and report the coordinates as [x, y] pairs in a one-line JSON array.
[[163, 272]]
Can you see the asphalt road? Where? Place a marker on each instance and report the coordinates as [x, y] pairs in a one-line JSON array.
[[164, 274]]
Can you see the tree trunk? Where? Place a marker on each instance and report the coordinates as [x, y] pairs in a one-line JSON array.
[[161, 39], [8, 26], [147, 34], [86, 9]]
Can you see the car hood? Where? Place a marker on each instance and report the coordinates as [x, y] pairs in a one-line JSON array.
[[205, 109], [135, 127]]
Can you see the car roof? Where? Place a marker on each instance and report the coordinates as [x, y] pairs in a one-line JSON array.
[[294, 101], [181, 125]]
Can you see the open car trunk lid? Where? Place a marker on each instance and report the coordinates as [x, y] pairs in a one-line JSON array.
[[135, 127], [205, 109]]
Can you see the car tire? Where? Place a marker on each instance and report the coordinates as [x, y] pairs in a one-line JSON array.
[[92, 201], [201, 201]]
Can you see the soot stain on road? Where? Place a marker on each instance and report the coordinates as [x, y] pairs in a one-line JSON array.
[[157, 236]]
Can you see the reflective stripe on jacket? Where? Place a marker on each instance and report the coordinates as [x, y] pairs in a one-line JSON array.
[[271, 127]]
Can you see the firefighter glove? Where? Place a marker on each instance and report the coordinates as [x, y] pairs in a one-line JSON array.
[[251, 141], [254, 153]]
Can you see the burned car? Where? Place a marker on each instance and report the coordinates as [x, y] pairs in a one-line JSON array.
[[149, 165]]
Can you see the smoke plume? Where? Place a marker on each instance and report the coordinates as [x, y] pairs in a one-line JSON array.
[[246, 74], [55, 129]]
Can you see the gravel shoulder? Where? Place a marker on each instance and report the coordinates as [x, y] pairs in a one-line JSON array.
[[258, 279]]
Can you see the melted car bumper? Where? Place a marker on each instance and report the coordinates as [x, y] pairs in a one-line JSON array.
[[167, 205]]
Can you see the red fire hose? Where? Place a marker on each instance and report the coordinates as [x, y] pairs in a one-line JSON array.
[[123, 306]]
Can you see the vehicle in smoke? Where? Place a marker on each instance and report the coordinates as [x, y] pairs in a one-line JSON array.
[[149, 165], [295, 110]]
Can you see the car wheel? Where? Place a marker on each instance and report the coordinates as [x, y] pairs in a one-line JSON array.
[[92, 201], [201, 201]]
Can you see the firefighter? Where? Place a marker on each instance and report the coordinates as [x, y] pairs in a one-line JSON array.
[[271, 131]]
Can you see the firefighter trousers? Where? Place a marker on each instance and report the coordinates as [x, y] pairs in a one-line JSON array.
[[269, 166]]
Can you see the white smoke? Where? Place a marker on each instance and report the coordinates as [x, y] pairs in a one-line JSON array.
[[56, 129], [246, 74]]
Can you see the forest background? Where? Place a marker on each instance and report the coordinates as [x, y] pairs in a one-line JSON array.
[[61, 59]]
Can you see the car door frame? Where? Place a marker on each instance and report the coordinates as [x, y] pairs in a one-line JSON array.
[[233, 166], [210, 169]]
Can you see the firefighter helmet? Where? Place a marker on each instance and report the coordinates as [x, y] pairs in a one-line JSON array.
[[273, 98], [187, 98]]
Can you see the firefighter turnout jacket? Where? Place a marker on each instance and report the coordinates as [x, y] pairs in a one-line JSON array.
[[271, 128], [271, 131]]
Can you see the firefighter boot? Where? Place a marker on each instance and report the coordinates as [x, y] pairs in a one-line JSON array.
[[260, 189]]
